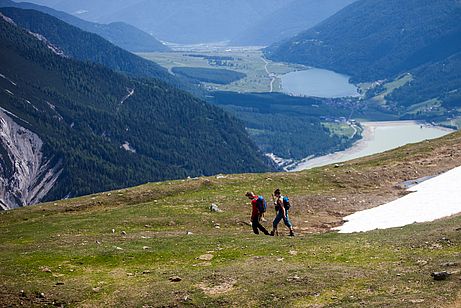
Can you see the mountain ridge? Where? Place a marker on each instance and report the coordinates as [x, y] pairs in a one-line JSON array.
[[121, 34], [288, 21], [380, 38], [178, 21], [87, 46]]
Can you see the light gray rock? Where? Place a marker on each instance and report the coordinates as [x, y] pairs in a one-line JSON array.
[[449, 264], [175, 279], [215, 208], [26, 175]]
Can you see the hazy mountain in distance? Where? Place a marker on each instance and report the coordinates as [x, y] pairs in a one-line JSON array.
[[45, 2], [295, 17], [121, 34], [85, 46], [179, 21], [92, 10]]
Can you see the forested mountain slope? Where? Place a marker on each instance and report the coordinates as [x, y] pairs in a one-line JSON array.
[[121, 34], [86, 46], [101, 130], [379, 39], [289, 127]]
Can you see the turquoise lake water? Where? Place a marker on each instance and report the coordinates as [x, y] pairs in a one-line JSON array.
[[379, 137], [319, 83]]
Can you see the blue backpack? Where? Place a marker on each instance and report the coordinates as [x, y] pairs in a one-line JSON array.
[[286, 203], [261, 204]]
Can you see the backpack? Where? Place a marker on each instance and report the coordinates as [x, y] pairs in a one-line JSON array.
[[286, 203], [261, 204]]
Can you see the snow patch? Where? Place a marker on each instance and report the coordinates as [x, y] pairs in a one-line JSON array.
[[80, 12], [33, 106], [55, 49], [126, 146], [53, 107], [432, 199], [13, 115], [7, 19], [8, 92], [8, 79], [130, 93]]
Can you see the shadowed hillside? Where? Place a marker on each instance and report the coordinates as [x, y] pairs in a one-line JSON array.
[[107, 130]]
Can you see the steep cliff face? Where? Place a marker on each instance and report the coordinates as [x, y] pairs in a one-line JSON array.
[[26, 175]]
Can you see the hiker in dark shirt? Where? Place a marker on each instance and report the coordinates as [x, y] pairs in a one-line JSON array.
[[256, 213], [281, 208]]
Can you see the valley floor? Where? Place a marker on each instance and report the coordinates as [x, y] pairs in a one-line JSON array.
[[262, 74], [160, 245]]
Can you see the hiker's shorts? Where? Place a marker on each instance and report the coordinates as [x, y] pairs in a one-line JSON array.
[[279, 217]]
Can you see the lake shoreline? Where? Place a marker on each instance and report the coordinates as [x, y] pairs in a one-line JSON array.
[[368, 137], [316, 82]]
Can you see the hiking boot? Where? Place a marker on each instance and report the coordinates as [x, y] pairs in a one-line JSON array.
[[267, 233], [272, 233], [291, 233]]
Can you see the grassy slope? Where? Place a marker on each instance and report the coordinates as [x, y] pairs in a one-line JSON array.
[[67, 250]]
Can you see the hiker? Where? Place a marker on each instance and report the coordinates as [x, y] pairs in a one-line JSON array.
[[282, 205], [258, 208]]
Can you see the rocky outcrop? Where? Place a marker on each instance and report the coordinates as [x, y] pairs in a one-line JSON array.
[[26, 175]]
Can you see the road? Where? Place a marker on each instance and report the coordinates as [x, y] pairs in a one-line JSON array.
[[355, 131], [271, 75]]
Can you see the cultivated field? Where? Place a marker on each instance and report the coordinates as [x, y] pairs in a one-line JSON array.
[[249, 61]]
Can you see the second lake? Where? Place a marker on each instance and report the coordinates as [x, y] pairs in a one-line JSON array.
[[319, 83]]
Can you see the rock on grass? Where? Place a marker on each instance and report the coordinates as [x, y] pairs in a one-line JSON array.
[[175, 279], [440, 275]]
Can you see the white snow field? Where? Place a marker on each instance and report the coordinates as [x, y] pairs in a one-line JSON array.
[[430, 200]]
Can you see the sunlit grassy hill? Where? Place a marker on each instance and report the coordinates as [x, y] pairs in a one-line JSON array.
[[160, 245]]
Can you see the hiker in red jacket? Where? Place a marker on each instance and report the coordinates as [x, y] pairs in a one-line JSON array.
[[258, 208]]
